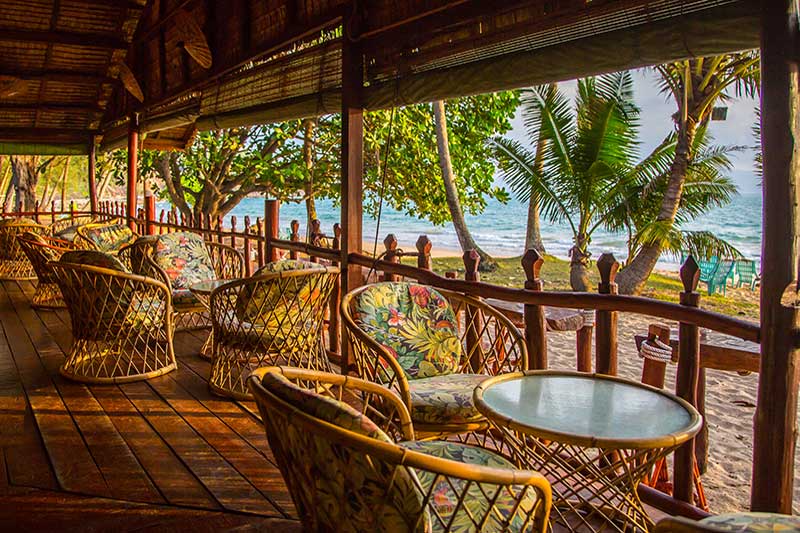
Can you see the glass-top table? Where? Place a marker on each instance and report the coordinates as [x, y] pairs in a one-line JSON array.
[[594, 436], [202, 290]]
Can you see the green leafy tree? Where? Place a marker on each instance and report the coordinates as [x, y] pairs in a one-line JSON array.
[[589, 152], [696, 86]]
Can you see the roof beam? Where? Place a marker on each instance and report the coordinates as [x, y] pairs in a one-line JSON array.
[[64, 76], [52, 106], [63, 37]]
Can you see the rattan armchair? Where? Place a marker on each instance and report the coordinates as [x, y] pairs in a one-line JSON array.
[[66, 228], [731, 522], [40, 250], [180, 260], [121, 322], [346, 473], [432, 347], [14, 264], [108, 237], [271, 318]]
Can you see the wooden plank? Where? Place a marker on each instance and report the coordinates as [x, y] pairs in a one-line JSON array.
[[229, 488], [121, 470], [72, 463]]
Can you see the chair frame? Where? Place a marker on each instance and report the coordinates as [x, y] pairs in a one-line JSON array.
[[240, 347], [70, 221], [47, 294], [506, 480], [17, 266], [90, 357], [370, 357]]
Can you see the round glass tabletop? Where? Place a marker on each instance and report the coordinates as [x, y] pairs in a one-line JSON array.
[[207, 286], [588, 410]]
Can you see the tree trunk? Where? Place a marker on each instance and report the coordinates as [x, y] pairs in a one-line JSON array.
[[465, 239], [24, 177], [579, 265], [632, 278], [308, 159]]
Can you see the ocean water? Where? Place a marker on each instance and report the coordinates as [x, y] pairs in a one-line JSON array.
[[500, 229]]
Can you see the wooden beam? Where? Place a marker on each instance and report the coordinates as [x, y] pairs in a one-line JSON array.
[[352, 169], [133, 170], [91, 40], [64, 76], [776, 411], [52, 106]]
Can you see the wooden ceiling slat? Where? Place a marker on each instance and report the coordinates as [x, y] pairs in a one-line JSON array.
[[89, 40], [64, 76]]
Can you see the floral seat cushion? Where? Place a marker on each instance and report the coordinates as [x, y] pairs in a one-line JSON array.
[[754, 522], [446, 501], [445, 399], [93, 258], [415, 323], [185, 259], [108, 237]]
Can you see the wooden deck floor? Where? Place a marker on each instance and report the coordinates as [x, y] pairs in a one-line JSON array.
[[161, 454]]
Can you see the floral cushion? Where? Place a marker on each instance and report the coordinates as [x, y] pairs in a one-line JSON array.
[[285, 265], [185, 259], [445, 399], [415, 323], [506, 515], [334, 487], [754, 522], [108, 237], [93, 258], [184, 297]]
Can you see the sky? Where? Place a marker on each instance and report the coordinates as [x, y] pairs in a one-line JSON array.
[[656, 123]]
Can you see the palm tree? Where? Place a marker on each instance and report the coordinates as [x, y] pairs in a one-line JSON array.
[[706, 186], [696, 85], [588, 156]]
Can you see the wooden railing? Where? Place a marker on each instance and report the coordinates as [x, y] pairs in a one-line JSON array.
[[260, 243]]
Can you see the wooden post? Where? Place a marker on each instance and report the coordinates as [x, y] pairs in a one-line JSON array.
[[654, 372], [233, 232], [248, 268], [295, 237], [92, 176], [583, 342], [334, 335], [686, 380], [424, 246], [533, 315], [52, 211], [779, 373], [606, 321], [352, 159], [390, 242], [272, 222], [260, 245], [315, 237], [133, 169], [473, 317], [337, 238], [36, 211]]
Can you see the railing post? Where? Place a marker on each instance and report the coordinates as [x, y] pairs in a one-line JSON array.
[[161, 222], [654, 372], [583, 341], [220, 227], [424, 246], [687, 378], [533, 315], [36, 211], [295, 237], [52, 211], [272, 224], [390, 242], [260, 245], [149, 212], [606, 321], [334, 336], [473, 317], [248, 269], [233, 232], [337, 238], [315, 237]]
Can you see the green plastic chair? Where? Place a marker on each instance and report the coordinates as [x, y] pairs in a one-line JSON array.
[[747, 274], [718, 279]]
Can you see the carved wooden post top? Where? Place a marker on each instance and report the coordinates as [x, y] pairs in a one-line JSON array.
[[608, 266], [247, 224], [390, 242], [316, 226], [690, 277], [337, 236], [471, 260], [451, 274], [424, 245], [295, 225], [532, 262]]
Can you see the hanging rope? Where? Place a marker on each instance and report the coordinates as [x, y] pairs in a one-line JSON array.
[[385, 156]]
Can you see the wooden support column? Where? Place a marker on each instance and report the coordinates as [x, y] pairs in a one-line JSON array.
[[92, 176], [272, 210], [606, 321], [133, 170], [533, 315], [687, 378], [779, 374], [352, 161]]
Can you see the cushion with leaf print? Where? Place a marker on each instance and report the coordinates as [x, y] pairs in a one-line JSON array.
[[415, 323], [505, 512], [445, 399], [184, 258], [108, 237]]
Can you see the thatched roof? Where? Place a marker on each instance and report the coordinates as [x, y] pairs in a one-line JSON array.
[[208, 64], [58, 69]]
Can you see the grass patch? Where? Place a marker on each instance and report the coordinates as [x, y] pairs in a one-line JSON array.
[[740, 303]]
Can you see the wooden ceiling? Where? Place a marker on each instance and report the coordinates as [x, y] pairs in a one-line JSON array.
[[215, 63]]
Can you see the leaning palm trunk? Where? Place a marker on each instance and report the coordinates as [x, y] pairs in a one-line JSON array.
[[632, 278], [451, 192]]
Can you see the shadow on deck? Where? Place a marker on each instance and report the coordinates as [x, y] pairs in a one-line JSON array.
[[163, 454]]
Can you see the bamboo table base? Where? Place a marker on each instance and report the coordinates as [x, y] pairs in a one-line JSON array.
[[593, 489]]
